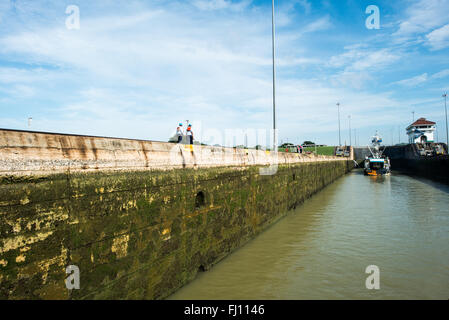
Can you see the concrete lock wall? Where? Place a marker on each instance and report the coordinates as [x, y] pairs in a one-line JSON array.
[[138, 221], [406, 159]]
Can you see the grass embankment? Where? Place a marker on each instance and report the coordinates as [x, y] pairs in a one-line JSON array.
[[325, 151]]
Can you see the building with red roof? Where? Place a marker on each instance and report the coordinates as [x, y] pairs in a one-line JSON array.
[[421, 131]]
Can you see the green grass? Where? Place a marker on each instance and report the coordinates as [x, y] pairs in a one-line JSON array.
[[325, 151]]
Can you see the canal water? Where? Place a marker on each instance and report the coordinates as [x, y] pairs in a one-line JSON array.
[[321, 249]]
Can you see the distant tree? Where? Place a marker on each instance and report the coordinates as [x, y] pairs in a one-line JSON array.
[[309, 143], [173, 139], [286, 145]]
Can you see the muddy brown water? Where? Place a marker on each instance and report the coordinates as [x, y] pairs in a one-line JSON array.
[[321, 249]]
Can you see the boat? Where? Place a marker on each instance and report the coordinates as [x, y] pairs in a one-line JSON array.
[[377, 164]]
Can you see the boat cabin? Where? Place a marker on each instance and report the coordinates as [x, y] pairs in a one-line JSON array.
[[377, 166]]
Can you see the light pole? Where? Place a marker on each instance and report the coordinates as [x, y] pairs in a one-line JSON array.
[[445, 110], [350, 135], [436, 130], [339, 135], [274, 76], [413, 113]]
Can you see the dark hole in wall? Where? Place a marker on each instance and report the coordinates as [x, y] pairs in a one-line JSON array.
[[201, 268], [200, 200], [294, 176]]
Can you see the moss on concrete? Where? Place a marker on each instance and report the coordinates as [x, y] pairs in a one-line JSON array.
[[139, 235]]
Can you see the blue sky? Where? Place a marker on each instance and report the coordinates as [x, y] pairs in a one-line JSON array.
[[136, 68]]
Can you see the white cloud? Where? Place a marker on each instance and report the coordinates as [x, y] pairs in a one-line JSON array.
[[359, 65], [19, 91], [422, 78], [364, 59], [423, 16], [137, 75], [427, 22], [290, 62], [442, 74], [439, 38], [376, 59], [208, 5], [16, 75], [412, 82], [323, 23], [356, 80]]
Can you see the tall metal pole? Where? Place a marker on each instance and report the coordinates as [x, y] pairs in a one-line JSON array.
[[445, 110], [274, 75], [350, 135], [436, 130], [339, 135]]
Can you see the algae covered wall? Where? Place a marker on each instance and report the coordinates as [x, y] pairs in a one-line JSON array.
[[139, 234], [138, 218]]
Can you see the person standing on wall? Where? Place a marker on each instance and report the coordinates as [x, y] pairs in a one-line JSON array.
[[190, 134], [179, 133]]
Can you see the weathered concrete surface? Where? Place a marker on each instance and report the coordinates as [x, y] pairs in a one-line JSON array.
[[33, 153], [139, 232]]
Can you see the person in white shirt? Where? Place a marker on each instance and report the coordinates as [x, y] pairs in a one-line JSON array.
[[179, 133]]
